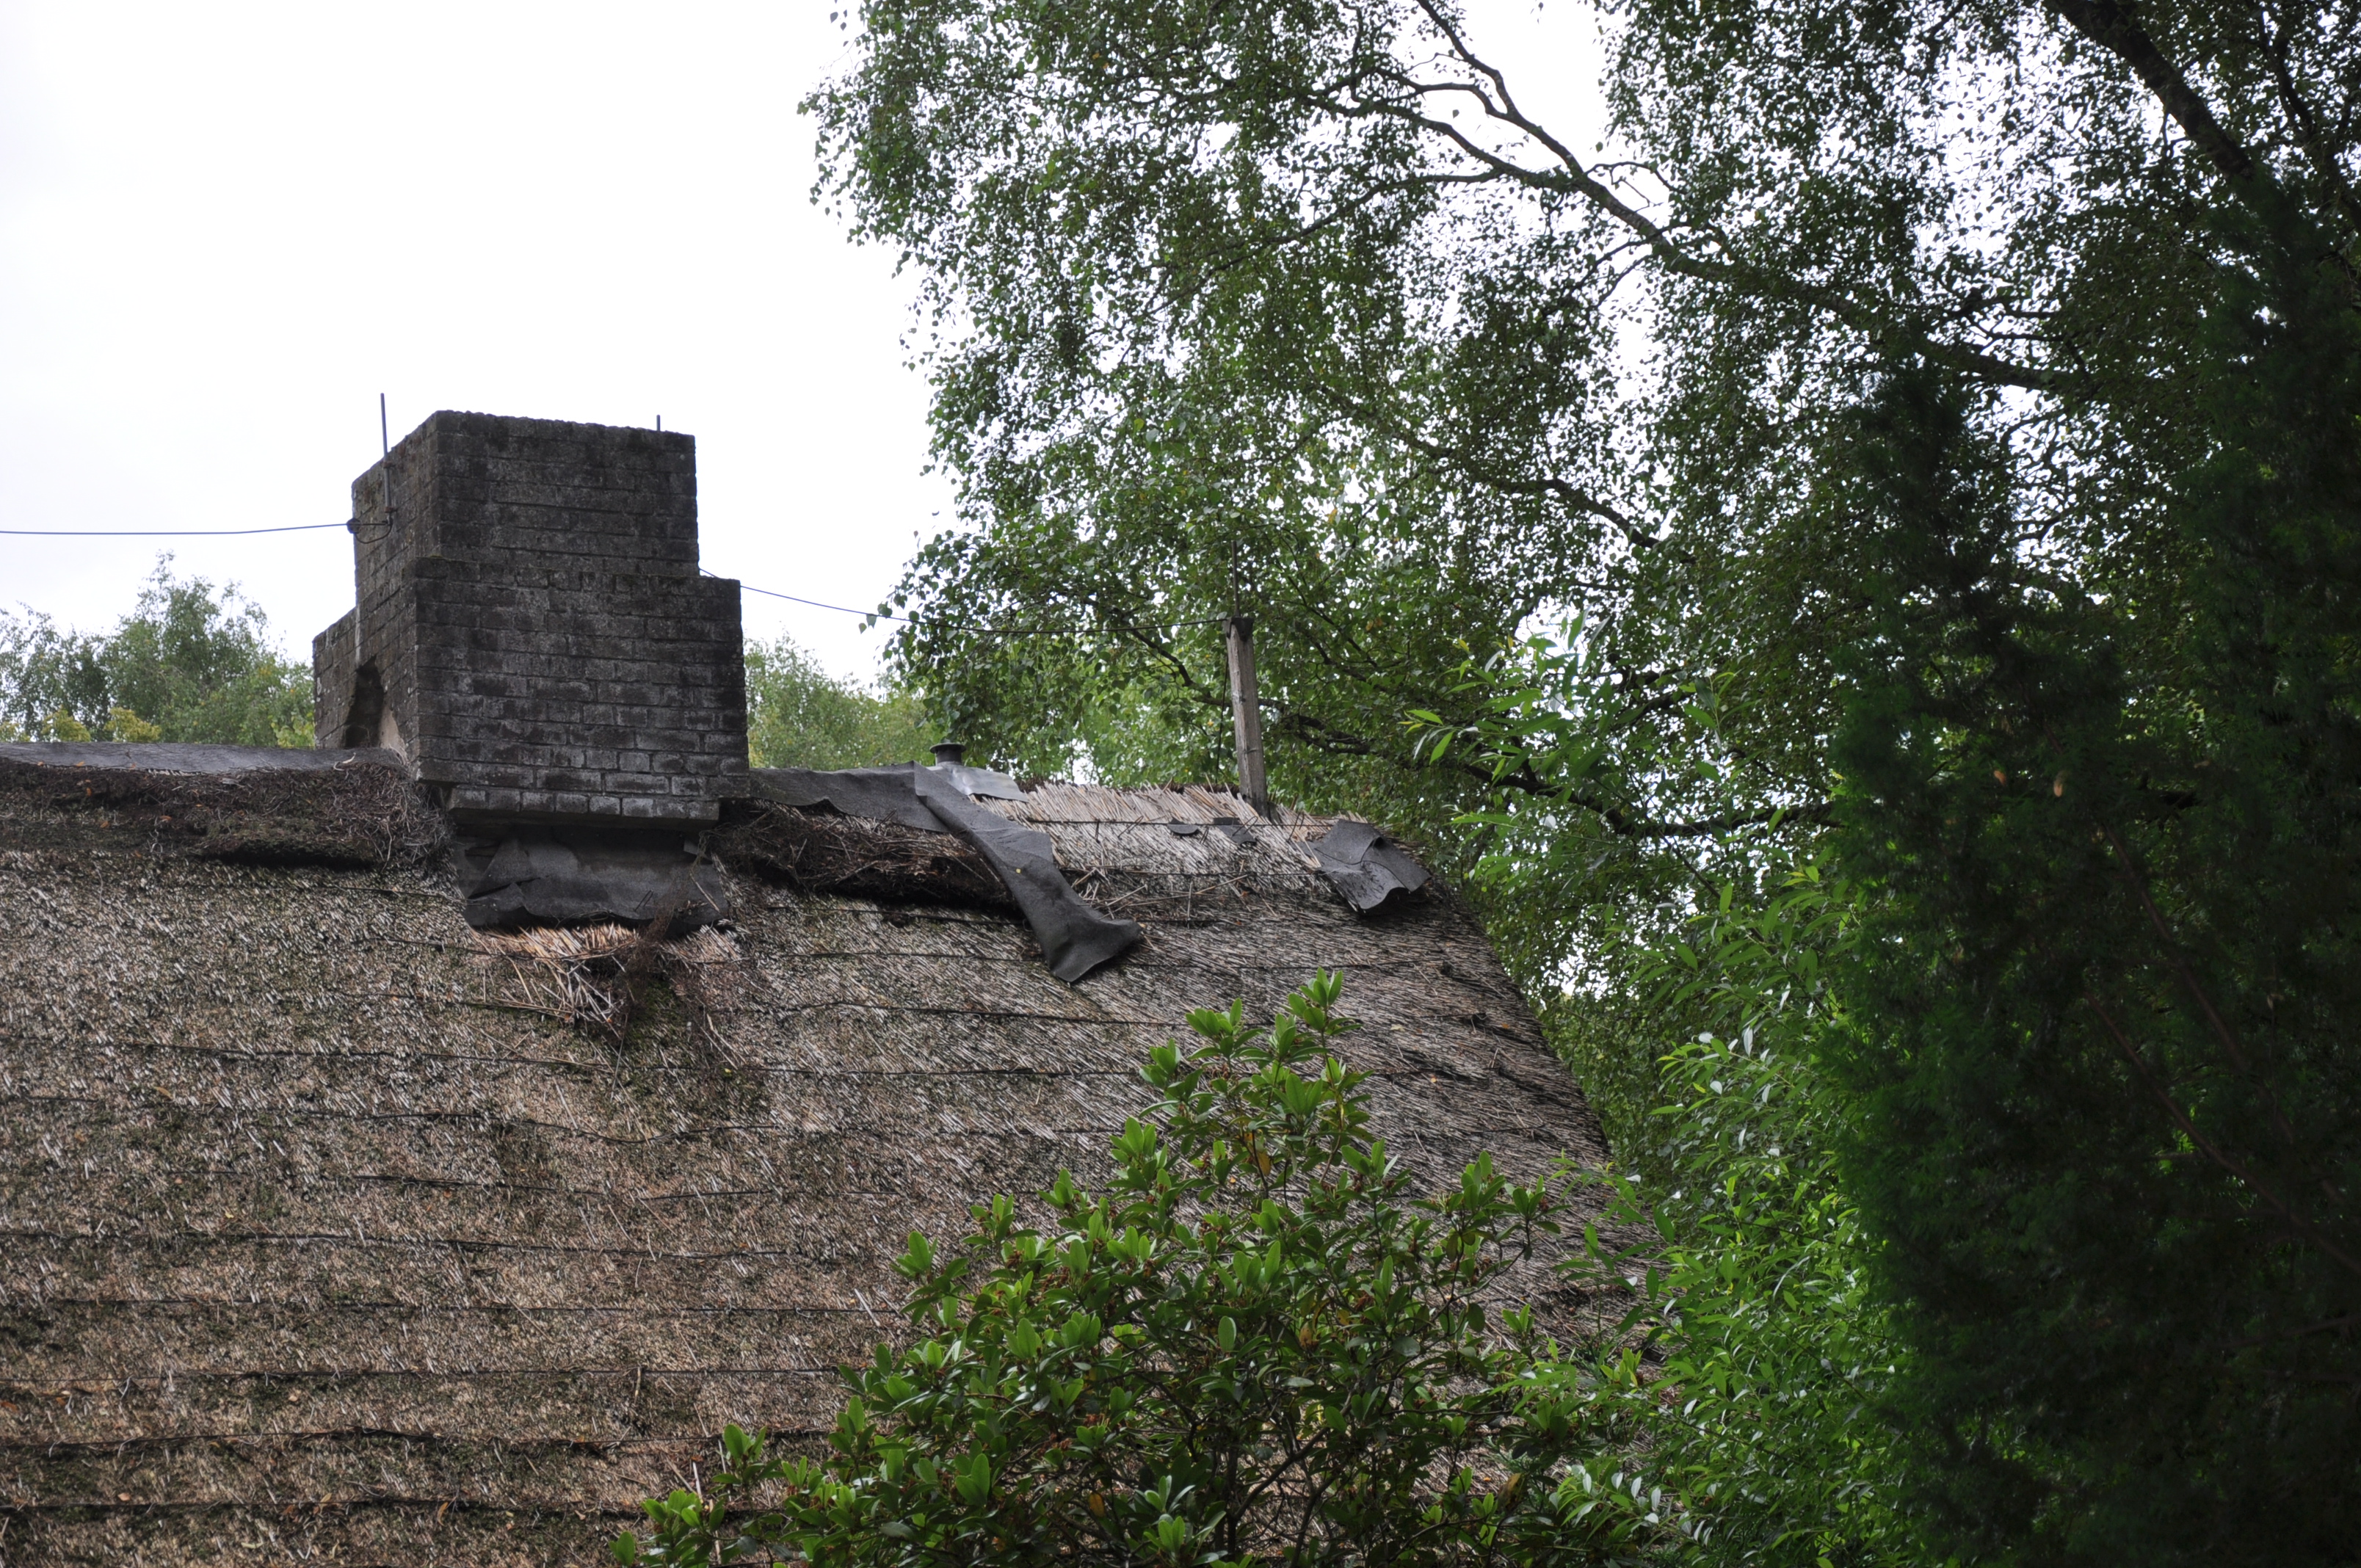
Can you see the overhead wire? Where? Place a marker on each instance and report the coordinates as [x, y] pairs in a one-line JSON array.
[[957, 626], [163, 533], [872, 615]]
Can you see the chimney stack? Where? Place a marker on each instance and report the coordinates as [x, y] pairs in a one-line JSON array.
[[530, 632]]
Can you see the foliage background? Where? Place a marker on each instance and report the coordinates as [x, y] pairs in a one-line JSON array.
[[1933, 428], [799, 716], [190, 662], [194, 661]]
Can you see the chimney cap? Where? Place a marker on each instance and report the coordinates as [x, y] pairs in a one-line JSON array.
[[950, 753]]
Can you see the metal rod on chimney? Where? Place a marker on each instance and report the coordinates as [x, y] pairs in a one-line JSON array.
[[385, 481], [1245, 711]]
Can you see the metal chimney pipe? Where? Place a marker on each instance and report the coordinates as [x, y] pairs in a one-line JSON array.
[[950, 753]]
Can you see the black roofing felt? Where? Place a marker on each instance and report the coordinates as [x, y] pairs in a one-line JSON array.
[[567, 876], [571, 875], [1365, 866], [1074, 938]]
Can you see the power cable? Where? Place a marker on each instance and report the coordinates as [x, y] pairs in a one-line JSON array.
[[162, 532], [748, 588], [955, 626]]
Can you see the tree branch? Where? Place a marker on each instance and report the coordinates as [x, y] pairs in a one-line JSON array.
[[1572, 496], [2307, 124], [2111, 25], [1575, 179]]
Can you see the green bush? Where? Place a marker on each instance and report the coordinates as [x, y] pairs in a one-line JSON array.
[[189, 662], [1257, 1347], [1769, 1411], [1766, 1395]]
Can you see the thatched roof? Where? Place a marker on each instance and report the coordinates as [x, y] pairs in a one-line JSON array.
[[334, 1231]]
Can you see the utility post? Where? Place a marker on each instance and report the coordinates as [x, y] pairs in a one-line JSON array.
[[1245, 711]]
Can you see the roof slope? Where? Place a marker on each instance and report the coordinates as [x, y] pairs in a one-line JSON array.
[[333, 1231]]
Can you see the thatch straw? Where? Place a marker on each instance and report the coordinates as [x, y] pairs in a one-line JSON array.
[[333, 1231], [360, 815], [596, 977], [823, 852]]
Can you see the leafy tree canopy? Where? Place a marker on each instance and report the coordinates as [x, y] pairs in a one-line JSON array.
[[799, 716], [1937, 426], [189, 662], [1288, 306]]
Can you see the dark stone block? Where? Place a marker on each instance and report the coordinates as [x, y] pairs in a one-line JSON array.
[[530, 615]]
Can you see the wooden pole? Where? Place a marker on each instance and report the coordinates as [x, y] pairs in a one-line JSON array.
[[1245, 711]]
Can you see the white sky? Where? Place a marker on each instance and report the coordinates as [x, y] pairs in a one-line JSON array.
[[224, 229]]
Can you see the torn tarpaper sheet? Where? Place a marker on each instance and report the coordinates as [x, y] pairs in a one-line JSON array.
[[1365, 866], [1074, 938], [562, 876]]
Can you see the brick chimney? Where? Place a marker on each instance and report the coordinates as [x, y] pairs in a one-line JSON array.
[[530, 632]]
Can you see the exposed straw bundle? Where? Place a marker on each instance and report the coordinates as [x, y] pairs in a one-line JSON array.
[[596, 977], [359, 816], [823, 852]]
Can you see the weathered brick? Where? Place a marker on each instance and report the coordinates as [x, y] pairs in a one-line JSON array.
[[529, 607]]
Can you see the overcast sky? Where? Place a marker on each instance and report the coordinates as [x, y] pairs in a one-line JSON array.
[[224, 229]]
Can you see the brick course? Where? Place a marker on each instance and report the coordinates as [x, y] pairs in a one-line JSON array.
[[531, 629]]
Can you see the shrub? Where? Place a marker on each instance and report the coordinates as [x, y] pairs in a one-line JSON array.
[[1257, 1347]]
